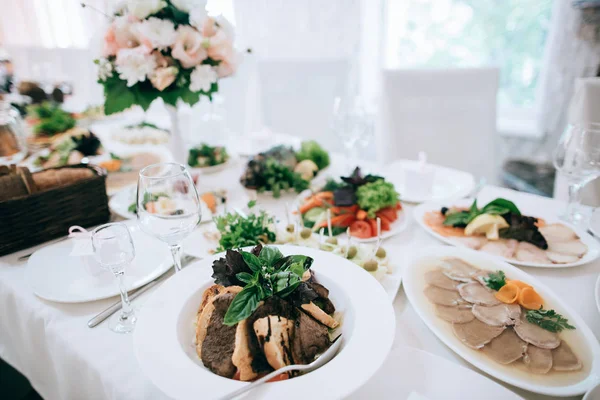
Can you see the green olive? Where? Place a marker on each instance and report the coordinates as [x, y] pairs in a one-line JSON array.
[[290, 228], [380, 253], [332, 240], [352, 251], [326, 247], [370, 265], [305, 233]]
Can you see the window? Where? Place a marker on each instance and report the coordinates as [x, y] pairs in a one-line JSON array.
[[510, 34]]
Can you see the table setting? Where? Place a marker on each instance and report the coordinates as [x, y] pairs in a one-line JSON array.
[[140, 260]]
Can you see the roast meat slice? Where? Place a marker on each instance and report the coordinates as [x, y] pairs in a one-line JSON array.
[[475, 333], [559, 258], [438, 279], [454, 314], [557, 233], [536, 335], [219, 342], [476, 293], [443, 297], [563, 358], [498, 315], [539, 361], [310, 338], [457, 269], [527, 252], [506, 348], [572, 248], [503, 248]]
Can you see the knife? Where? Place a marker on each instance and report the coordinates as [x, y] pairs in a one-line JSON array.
[[103, 315]]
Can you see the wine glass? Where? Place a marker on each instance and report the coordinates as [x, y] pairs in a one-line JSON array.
[[577, 158], [168, 205], [114, 250]]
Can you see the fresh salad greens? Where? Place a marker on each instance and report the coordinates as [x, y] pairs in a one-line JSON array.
[[52, 119], [311, 150], [264, 272], [279, 177], [495, 207], [239, 231], [495, 280], [549, 320], [524, 229], [374, 196], [207, 156]]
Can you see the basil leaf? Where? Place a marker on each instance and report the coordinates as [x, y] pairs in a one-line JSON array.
[[474, 209], [269, 255], [501, 203], [242, 306], [285, 282], [494, 209], [245, 277], [253, 262], [460, 218], [297, 263]]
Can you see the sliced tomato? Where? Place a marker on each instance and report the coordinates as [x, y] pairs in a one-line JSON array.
[[389, 213], [385, 223], [343, 221], [361, 229], [399, 206], [373, 224]]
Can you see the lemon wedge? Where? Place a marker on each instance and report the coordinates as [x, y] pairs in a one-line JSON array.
[[487, 224]]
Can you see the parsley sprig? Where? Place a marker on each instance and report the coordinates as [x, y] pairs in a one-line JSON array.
[[240, 231], [549, 320], [495, 280]]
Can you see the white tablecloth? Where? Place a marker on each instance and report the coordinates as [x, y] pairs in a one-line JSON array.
[[51, 344]]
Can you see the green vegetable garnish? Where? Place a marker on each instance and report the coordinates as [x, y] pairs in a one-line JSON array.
[[311, 150], [332, 185], [549, 320], [52, 119], [495, 207], [279, 177], [374, 196], [148, 198], [237, 231], [207, 156], [495, 280]]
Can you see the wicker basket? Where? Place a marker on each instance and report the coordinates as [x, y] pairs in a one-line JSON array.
[[39, 217]]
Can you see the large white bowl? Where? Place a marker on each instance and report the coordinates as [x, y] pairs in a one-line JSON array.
[[164, 347], [581, 340]]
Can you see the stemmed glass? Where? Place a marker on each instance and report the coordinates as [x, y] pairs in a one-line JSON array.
[[577, 158], [168, 205], [114, 250]]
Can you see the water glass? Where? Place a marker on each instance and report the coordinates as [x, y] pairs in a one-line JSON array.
[[114, 250], [352, 124], [168, 205]]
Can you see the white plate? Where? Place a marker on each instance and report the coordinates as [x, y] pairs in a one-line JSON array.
[[431, 376], [592, 244], [163, 338], [55, 275], [119, 204], [448, 183], [598, 293], [582, 340], [396, 227]]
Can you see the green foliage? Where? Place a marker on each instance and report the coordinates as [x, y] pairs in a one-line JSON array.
[[498, 206], [279, 177], [311, 150], [209, 156], [374, 196], [495, 280], [238, 231], [52, 119], [549, 320]]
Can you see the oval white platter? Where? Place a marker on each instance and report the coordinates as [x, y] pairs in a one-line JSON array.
[[163, 338], [592, 244], [119, 204], [581, 340], [55, 274]]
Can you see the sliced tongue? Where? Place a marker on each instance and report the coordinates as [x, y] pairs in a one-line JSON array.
[[458, 270], [438, 279], [475, 293], [506, 348], [536, 335], [539, 361], [476, 334], [454, 314], [498, 315], [443, 297], [563, 359]]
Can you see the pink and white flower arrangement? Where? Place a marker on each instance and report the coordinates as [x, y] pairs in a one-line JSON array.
[[164, 48]]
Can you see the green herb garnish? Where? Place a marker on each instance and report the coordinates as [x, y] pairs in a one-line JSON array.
[[148, 198], [279, 177], [52, 119], [549, 320], [495, 207], [332, 185], [311, 150], [495, 280], [207, 156], [238, 231]]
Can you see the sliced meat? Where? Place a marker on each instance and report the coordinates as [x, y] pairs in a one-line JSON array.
[[242, 356], [506, 348], [476, 293], [454, 314], [563, 359], [535, 335], [529, 253], [472, 242], [481, 276], [558, 233], [443, 297], [219, 343], [438, 279], [323, 300], [539, 361], [476, 334], [310, 338], [498, 315], [273, 333], [503, 248], [458, 270], [558, 258], [571, 248], [320, 315]]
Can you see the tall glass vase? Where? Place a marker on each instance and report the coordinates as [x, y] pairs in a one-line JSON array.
[[176, 141]]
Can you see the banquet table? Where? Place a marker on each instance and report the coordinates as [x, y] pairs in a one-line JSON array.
[[52, 346]]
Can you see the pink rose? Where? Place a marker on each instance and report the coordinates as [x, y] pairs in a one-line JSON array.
[[209, 27], [220, 47], [120, 35], [188, 47], [226, 68], [163, 77], [161, 60]]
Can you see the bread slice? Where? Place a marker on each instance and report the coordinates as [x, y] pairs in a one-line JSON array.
[[320, 315]]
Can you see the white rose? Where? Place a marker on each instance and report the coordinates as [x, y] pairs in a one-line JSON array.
[[198, 17], [142, 8], [202, 78], [188, 5], [158, 33], [105, 69], [134, 65]]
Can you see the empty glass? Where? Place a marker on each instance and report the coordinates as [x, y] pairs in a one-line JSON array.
[[168, 205], [353, 125], [577, 158], [114, 250]]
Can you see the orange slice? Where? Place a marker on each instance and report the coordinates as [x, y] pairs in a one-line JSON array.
[[530, 299], [508, 293]]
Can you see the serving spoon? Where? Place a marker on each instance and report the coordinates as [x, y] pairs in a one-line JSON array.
[[320, 360]]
